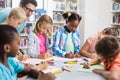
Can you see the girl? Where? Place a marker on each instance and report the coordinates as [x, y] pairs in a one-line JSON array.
[[108, 51], [67, 40], [39, 39], [16, 17], [88, 48], [9, 67]]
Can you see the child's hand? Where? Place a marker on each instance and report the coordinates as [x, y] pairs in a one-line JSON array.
[[77, 55], [41, 66], [44, 56], [86, 65], [48, 55], [48, 76], [23, 57], [28, 64], [93, 55], [68, 55]]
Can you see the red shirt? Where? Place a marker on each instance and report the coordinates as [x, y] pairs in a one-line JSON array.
[[114, 65]]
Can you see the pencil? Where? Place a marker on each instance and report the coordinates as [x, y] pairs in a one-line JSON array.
[[70, 62]]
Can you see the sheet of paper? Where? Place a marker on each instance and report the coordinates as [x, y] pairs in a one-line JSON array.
[[99, 66], [63, 59], [53, 70], [34, 61]]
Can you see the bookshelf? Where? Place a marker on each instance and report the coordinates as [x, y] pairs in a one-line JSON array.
[[115, 13], [60, 7], [24, 36], [116, 16], [5, 3]]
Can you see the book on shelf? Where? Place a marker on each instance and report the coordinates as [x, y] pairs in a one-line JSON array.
[[115, 6]]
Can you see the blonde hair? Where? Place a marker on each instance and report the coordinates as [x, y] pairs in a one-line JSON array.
[[18, 12], [44, 19]]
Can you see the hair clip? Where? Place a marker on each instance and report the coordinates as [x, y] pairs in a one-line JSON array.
[[69, 14]]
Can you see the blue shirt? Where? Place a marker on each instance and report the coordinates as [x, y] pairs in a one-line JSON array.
[[10, 74], [3, 16], [59, 43]]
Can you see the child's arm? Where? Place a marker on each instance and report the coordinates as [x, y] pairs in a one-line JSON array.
[[55, 47], [77, 54], [109, 75], [37, 74], [29, 71], [92, 62], [84, 51]]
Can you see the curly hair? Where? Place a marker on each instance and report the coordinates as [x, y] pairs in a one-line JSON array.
[[108, 47], [25, 2]]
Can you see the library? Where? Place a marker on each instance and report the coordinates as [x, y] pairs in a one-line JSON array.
[[60, 39]]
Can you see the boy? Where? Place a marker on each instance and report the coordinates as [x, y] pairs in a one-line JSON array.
[[108, 51]]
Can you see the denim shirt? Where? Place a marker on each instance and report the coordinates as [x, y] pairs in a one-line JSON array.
[[60, 39]]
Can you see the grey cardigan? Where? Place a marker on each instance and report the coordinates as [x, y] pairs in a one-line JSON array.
[[33, 49]]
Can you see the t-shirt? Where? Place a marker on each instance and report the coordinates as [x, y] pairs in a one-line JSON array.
[[114, 65], [69, 44], [92, 40], [3, 16], [42, 43], [14, 68]]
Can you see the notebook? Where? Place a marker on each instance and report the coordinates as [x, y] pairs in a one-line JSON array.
[[98, 66]]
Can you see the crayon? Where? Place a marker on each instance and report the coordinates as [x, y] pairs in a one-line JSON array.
[[65, 69], [85, 59], [70, 62]]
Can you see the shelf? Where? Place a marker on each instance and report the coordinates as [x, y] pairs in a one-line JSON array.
[[115, 11], [117, 24]]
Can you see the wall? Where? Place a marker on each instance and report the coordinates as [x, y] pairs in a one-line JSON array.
[[96, 16], [82, 22]]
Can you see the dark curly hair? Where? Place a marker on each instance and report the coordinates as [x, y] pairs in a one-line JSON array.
[[25, 2], [108, 47]]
